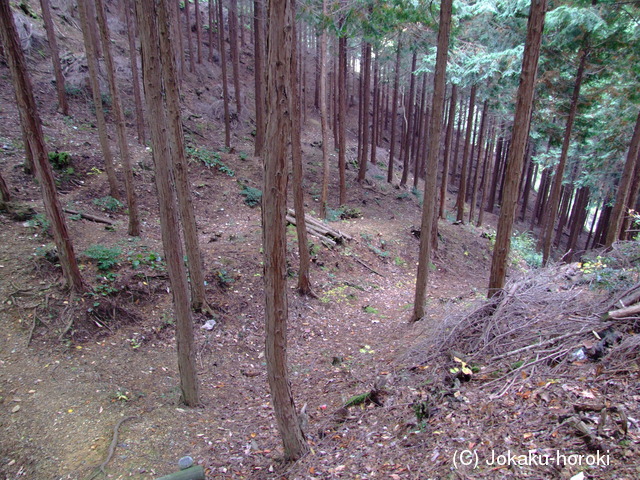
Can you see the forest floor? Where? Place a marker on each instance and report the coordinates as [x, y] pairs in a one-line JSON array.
[[72, 368]]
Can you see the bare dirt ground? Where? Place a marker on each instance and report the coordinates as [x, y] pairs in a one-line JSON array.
[[62, 395]]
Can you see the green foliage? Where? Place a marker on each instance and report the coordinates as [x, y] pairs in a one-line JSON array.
[[343, 212], [105, 257], [369, 309], [224, 278], [252, 196], [108, 204], [146, 258], [59, 160], [39, 222], [210, 159], [523, 247]]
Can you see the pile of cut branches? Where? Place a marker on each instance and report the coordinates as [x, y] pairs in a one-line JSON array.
[[329, 237], [539, 325]]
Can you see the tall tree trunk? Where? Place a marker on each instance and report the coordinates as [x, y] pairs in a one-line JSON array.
[[479, 163], [135, 74], [526, 191], [304, 280], [258, 68], [148, 16], [88, 25], [198, 30], [447, 149], [485, 178], [279, 59], [394, 113], [408, 134], [428, 206], [176, 24], [567, 194], [187, 17], [225, 84], [519, 136], [28, 110], [497, 167], [454, 167], [63, 105], [342, 118], [554, 198], [235, 53], [323, 118], [182, 185], [374, 116], [422, 130], [577, 224], [123, 144], [362, 161], [620, 206], [462, 190], [631, 200], [5, 195]]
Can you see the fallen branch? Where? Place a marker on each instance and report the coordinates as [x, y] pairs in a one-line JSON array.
[[367, 266], [88, 216], [622, 312], [112, 448]]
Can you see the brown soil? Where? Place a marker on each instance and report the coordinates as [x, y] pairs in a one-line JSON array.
[[61, 397]]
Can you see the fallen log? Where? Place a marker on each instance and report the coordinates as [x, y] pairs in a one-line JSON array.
[[88, 216], [623, 312], [317, 228]]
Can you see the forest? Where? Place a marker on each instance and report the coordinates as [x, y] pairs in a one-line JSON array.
[[361, 239]]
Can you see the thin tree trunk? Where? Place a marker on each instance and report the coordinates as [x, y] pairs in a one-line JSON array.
[[225, 84], [520, 134], [631, 200], [63, 105], [198, 30], [593, 224], [620, 206], [365, 98], [92, 61], [566, 196], [323, 118], [577, 224], [554, 198], [28, 110], [447, 149], [485, 178], [135, 74], [304, 280], [422, 130], [374, 117], [187, 16], [279, 60], [428, 207], [409, 131], [5, 195], [342, 118], [147, 14], [462, 190], [235, 53], [123, 144], [183, 187], [496, 171], [479, 163], [177, 31], [394, 113], [258, 64], [526, 191]]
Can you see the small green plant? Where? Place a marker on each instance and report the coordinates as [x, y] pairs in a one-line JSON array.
[[59, 160], [72, 90], [105, 257], [369, 309], [121, 396], [41, 223], [523, 247], [146, 258], [252, 196], [108, 204], [210, 159], [243, 155], [367, 349], [224, 278], [314, 249], [399, 262]]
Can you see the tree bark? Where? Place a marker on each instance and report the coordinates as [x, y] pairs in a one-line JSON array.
[[554, 198], [479, 163], [447, 149], [28, 110], [394, 113], [279, 59], [225, 84], [323, 118], [88, 25], [519, 136], [342, 118], [462, 190], [198, 30], [408, 134], [485, 178], [235, 53], [179, 164], [63, 105], [135, 74], [365, 99], [148, 14], [428, 207], [187, 17], [123, 144], [258, 68], [304, 279], [5, 195], [620, 206]]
